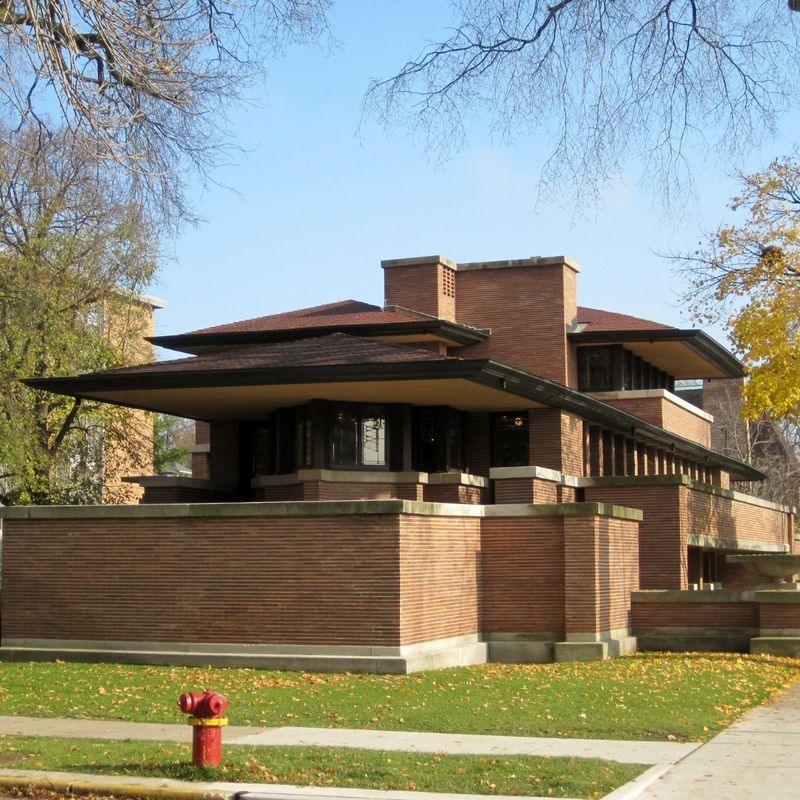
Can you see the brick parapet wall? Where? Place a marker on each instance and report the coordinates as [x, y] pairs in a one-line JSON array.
[[662, 551], [710, 616], [679, 513], [601, 561], [379, 573], [439, 594], [664, 409], [522, 576], [250, 580]]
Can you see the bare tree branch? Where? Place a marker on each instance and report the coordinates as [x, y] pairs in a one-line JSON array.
[[604, 81]]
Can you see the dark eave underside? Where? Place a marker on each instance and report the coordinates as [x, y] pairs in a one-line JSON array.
[[197, 343], [721, 363], [497, 377]]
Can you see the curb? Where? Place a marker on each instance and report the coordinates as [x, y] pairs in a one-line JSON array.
[[168, 789], [154, 788]]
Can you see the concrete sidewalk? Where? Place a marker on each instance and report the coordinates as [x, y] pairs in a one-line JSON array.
[[451, 743], [757, 757]]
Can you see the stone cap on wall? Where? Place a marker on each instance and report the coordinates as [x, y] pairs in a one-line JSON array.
[[313, 508]]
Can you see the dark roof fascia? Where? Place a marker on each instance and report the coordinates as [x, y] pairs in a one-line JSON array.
[[590, 408], [697, 340], [486, 372], [190, 342]]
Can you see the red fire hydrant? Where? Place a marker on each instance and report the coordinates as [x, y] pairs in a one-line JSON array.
[[206, 718]]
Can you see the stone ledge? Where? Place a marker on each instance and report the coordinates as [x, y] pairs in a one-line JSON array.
[[316, 508], [689, 597]]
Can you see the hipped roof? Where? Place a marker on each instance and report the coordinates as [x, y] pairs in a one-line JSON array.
[[247, 383]]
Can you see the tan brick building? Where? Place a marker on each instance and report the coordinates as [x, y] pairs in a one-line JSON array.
[[479, 469]]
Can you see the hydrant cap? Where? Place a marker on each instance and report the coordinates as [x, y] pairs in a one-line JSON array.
[[187, 702]]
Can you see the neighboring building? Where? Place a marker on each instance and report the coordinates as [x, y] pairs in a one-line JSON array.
[[479, 469], [760, 442]]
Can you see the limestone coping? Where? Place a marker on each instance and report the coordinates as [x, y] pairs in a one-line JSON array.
[[377, 476], [313, 508], [540, 473], [533, 261], [690, 597], [776, 596], [732, 543]]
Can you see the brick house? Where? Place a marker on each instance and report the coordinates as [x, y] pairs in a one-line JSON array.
[[479, 469]]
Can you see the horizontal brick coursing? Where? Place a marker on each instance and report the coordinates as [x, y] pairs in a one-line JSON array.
[[455, 493], [439, 593], [522, 575], [258, 580], [663, 412], [536, 302], [721, 518], [601, 569], [714, 616], [779, 615], [673, 513], [382, 580], [662, 553]]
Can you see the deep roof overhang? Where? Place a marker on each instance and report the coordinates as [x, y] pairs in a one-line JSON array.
[[447, 332], [469, 385], [683, 354]]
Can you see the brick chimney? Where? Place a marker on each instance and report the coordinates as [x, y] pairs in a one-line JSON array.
[[426, 284], [527, 304]]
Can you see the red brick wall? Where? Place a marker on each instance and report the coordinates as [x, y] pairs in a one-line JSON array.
[[213, 580], [526, 308], [601, 563], [336, 490], [715, 616], [666, 414], [439, 558], [522, 575], [421, 287], [718, 517], [662, 549], [455, 493], [779, 615]]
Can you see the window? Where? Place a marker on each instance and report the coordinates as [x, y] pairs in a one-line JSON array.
[[596, 368], [510, 439], [264, 448], [438, 439], [358, 437], [612, 368]]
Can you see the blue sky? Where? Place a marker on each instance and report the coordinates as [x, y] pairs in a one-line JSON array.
[[316, 207]]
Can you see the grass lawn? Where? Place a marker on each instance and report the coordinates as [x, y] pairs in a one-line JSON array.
[[314, 766], [648, 696]]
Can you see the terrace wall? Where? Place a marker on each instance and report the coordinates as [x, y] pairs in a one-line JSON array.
[[358, 579]]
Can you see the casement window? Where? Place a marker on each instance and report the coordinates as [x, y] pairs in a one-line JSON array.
[[438, 439], [510, 439], [358, 437], [613, 368]]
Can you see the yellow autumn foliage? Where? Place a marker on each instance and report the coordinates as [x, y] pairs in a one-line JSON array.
[[750, 273]]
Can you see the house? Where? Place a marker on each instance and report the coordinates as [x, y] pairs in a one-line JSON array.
[[478, 469]]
